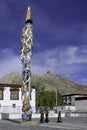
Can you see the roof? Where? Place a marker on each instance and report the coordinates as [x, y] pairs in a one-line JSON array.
[[80, 98], [12, 85], [74, 94], [9, 85]]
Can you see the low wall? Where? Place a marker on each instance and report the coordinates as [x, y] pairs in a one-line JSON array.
[[76, 114], [10, 116], [18, 116], [51, 115]]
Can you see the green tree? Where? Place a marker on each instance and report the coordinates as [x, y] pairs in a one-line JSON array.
[[46, 99], [60, 99]]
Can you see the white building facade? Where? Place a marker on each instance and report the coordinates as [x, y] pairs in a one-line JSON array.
[[11, 101], [74, 103], [81, 104]]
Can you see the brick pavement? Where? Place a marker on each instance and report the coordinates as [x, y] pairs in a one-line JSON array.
[[67, 124]]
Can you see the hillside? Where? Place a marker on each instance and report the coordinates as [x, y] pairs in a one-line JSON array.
[[48, 82], [12, 78]]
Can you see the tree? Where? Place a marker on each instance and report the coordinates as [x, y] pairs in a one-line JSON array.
[[60, 99]]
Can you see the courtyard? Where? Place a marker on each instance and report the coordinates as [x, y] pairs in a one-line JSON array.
[[68, 123]]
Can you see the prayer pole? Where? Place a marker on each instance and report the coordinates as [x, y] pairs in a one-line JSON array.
[[26, 55]]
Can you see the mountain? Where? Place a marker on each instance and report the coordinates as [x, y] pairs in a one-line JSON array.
[[12, 78], [48, 82]]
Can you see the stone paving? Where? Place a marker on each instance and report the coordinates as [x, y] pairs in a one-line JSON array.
[[67, 124]]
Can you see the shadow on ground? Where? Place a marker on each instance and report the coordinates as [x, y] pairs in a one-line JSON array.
[[15, 121]]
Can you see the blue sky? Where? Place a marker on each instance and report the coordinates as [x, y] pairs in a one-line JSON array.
[[59, 37]]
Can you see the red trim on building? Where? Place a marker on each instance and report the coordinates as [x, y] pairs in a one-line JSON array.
[[80, 98], [74, 94], [12, 85]]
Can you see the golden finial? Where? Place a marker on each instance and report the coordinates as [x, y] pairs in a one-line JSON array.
[[28, 17]]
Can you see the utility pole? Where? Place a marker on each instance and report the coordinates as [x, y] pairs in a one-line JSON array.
[[56, 98]]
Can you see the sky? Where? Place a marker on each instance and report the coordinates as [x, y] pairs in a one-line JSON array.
[[59, 37]]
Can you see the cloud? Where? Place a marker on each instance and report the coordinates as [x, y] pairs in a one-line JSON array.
[[62, 60], [63, 55], [72, 55], [84, 81], [9, 62]]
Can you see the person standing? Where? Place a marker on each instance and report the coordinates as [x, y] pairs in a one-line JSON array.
[[46, 116]]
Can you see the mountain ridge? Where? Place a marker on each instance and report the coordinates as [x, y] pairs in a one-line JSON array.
[[48, 82]]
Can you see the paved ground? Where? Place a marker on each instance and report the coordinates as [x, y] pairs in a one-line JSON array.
[[67, 124]]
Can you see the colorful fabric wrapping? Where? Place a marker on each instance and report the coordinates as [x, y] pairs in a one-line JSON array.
[[26, 55]]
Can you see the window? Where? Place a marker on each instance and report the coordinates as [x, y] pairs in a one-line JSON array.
[[14, 94], [70, 99], [65, 99], [1, 94], [13, 105]]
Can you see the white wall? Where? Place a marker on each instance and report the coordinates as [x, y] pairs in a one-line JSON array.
[[81, 105], [6, 103], [6, 98], [66, 108], [33, 100]]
